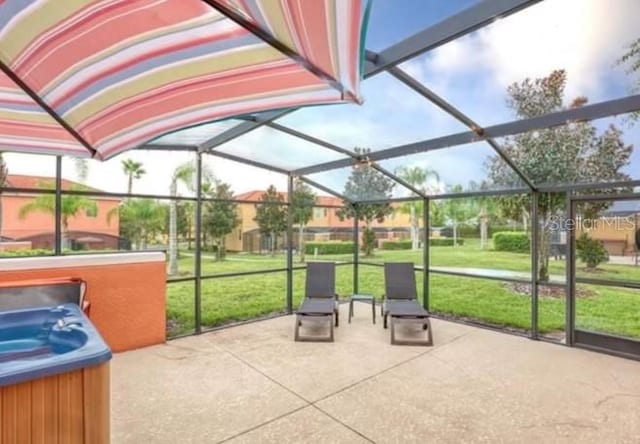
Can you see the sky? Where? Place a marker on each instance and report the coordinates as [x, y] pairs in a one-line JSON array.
[[584, 37]]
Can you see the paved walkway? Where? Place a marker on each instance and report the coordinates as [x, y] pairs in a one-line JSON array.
[[253, 384], [496, 274]]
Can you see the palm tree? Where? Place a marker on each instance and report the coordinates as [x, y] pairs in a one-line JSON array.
[[71, 206], [138, 219], [4, 172], [82, 168], [133, 170], [416, 177], [184, 174]]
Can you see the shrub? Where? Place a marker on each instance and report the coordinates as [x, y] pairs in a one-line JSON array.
[[340, 247], [396, 245], [26, 253], [513, 241], [591, 251], [368, 241], [444, 241]]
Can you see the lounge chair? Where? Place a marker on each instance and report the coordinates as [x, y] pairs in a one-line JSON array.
[[321, 301], [401, 302]]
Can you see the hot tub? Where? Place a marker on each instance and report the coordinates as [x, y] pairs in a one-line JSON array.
[[54, 377]]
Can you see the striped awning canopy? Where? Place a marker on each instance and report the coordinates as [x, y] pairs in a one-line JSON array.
[[97, 77]]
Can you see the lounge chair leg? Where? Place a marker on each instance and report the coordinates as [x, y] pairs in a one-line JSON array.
[[337, 317], [384, 320], [331, 328], [296, 335]]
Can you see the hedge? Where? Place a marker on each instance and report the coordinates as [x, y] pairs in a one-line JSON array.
[[513, 241], [473, 231], [26, 252], [340, 247], [396, 245], [444, 241]]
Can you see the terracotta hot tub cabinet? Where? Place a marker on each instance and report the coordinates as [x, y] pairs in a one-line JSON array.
[[54, 377]]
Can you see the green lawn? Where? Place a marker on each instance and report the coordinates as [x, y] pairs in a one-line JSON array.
[[228, 299]]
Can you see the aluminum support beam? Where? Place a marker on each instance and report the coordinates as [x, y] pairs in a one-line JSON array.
[[425, 255], [588, 112], [458, 115], [325, 189], [198, 247], [249, 162], [58, 209], [535, 234], [344, 151], [242, 128], [458, 25], [290, 245], [356, 248]]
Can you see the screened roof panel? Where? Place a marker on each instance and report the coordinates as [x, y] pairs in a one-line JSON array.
[[196, 135], [598, 151], [414, 16], [272, 147], [391, 115], [463, 168], [361, 183], [586, 40], [123, 72]]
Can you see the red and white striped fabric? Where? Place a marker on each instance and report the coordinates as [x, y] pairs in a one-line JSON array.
[[122, 72]]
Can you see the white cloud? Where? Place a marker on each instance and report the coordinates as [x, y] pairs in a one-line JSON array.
[[585, 37]]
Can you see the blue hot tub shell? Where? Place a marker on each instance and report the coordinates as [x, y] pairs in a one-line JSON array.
[[40, 342]]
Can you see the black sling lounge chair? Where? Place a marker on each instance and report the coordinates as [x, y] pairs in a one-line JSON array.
[[321, 301], [401, 302]]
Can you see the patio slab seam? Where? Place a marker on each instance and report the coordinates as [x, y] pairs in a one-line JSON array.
[[313, 404]]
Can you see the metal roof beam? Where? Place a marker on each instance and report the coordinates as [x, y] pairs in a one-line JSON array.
[[346, 152], [588, 112], [249, 162], [325, 189], [458, 115], [242, 128], [451, 28]]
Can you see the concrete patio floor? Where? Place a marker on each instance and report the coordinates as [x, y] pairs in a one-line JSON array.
[[253, 383]]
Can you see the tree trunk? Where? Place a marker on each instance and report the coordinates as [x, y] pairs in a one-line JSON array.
[[64, 235], [130, 184], [301, 242], [484, 229], [415, 229], [455, 233], [543, 250], [173, 232], [143, 239], [274, 242], [218, 249]]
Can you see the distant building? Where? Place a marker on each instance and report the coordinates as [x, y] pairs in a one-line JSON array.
[[324, 225], [87, 230], [616, 227]]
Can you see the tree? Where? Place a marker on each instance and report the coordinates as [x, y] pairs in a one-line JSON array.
[[458, 211], [302, 202], [366, 183], [81, 166], [140, 219], [71, 205], [591, 251], [184, 174], [271, 216], [571, 153], [631, 58], [417, 177], [185, 216], [220, 216], [133, 170], [4, 173]]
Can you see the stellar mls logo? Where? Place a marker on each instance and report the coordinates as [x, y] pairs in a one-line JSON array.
[[617, 223]]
